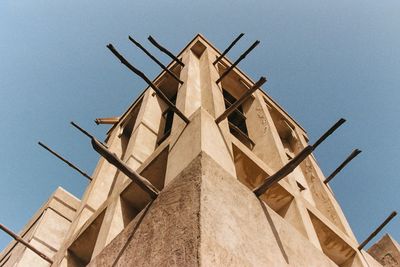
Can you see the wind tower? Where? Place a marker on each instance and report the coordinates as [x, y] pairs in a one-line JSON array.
[[205, 169]]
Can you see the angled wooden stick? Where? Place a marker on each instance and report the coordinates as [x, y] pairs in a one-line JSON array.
[[242, 56], [26, 244], [165, 51], [147, 80], [155, 59], [240, 101], [377, 230], [228, 48], [342, 165], [292, 164], [112, 158], [65, 161]]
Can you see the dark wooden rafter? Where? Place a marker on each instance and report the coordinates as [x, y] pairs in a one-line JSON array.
[[228, 48], [65, 161], [241, 100], [293, 163], [86, 132], [377, 230], [113, 159], [242, 134], [165, 51], [26, 244], [342, 165], [155, 59], [241, 57], [150, 83]]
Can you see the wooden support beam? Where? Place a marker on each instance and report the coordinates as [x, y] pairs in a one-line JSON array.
[[242, 134], [329, 132], [240, 101], [65, 161], [242, 56], [165, 51], [110, 120], [113, 159], [155, 59], [283, 172], [26, 244], [341, 166], [228, 48], [150, 83], [85, 132], [293, 163], [377, 230]]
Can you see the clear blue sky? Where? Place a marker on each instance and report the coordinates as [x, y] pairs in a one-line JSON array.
[[324, 60]]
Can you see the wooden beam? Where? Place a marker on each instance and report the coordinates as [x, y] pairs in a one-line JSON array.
[[147, 80], [242, 56], [26, 244], [377, 230], [155, 60], [228, 48], [240, 101], [65, 161], [283, 172], [329, 132], [165, 51], [113, 159], [341, 166], [293, 163]]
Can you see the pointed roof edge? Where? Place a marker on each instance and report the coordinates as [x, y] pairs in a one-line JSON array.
[[194, 39]]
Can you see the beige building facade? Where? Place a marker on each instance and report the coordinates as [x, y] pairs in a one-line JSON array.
[[206, 213]]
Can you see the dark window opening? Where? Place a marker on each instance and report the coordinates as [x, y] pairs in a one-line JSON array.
[[167, 118], [237, 120]]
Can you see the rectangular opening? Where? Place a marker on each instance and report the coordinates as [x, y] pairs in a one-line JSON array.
[[237, 120], [169, 86], [133, 198], [80, 252], [276, 197], [127, 127], [332, 245]]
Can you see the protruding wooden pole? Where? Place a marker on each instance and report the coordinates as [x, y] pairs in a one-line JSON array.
[[165, 51], [377, 230], [292, 164], [228, 48], [240, 101], [329, 132], [85, 132], [238, 61], [155, 59], [283, 172], [341, 166], [26, 244], [147, 80], [65, 161], [111, 120], [112, 158]]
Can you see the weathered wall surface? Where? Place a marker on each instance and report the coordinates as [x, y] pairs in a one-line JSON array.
[[386, 251], [45, 232], [166, 233], [220, 223]]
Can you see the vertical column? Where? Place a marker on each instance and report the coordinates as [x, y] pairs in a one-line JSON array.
[[200, 99], [262, 131]]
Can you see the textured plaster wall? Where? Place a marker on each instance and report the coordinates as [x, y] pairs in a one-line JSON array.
[[206, 217]]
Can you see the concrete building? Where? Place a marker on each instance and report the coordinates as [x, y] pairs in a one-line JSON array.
[[206, 213]]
